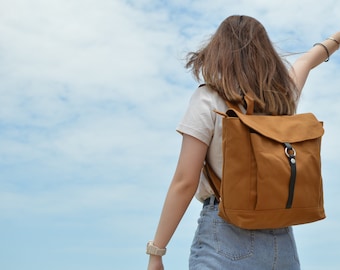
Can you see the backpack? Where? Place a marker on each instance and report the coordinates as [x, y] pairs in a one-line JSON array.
[[271, 174]]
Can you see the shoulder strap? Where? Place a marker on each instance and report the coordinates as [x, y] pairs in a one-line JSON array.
[[213, 179], [249, 102]]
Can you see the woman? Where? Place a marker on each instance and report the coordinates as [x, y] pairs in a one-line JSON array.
[[238, 59]]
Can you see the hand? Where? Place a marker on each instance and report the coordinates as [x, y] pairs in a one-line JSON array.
[[155, 263]]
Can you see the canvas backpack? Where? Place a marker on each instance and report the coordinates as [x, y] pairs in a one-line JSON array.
[[271, 174]]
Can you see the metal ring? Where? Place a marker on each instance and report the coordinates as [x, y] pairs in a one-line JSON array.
[[289, 155]]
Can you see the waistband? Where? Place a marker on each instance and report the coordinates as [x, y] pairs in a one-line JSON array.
[[210, 201]]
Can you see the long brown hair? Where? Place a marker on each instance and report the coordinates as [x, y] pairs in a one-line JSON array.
[[240, 59]]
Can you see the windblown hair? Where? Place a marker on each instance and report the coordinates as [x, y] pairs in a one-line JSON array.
[[240, 59]]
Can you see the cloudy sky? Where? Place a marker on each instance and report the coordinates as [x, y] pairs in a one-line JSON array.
[[91, 93]]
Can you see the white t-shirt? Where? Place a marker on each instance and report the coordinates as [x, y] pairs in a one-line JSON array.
[[201, 122]]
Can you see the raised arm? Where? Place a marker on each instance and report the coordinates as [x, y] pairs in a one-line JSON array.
[[319, 53]]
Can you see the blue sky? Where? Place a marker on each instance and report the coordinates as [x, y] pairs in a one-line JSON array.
[[91, 93]]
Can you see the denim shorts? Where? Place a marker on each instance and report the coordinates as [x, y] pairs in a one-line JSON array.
[[219, 245]]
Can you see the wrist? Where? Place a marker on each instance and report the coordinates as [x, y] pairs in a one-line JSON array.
[[155, 262]]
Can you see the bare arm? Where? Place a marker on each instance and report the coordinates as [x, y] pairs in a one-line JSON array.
[[181, 191], [314, 57]]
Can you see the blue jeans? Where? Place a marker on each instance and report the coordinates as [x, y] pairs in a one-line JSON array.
[[219, 245]]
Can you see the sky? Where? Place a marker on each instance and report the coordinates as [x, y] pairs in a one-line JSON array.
[[91, 92]]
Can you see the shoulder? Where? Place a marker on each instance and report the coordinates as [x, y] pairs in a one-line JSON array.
[[199, 119], [206, 95], [205, 89]]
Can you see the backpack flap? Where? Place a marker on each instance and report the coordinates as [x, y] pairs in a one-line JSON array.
[[282, 128]]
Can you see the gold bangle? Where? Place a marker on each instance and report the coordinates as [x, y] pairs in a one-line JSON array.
[[332, 38], [326, 49]]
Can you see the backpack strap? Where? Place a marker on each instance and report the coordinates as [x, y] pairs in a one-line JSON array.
[[213, 180], [250, 104], [290, 153], [249, 101]]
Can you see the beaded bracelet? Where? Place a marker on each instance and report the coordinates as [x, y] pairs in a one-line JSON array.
[[320, 44], [333, 39]]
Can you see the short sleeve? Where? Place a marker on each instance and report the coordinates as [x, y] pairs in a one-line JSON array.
[[199, 119]]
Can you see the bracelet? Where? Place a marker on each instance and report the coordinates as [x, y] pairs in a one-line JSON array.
[[320, 44], [333, 39], [151, 249]]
